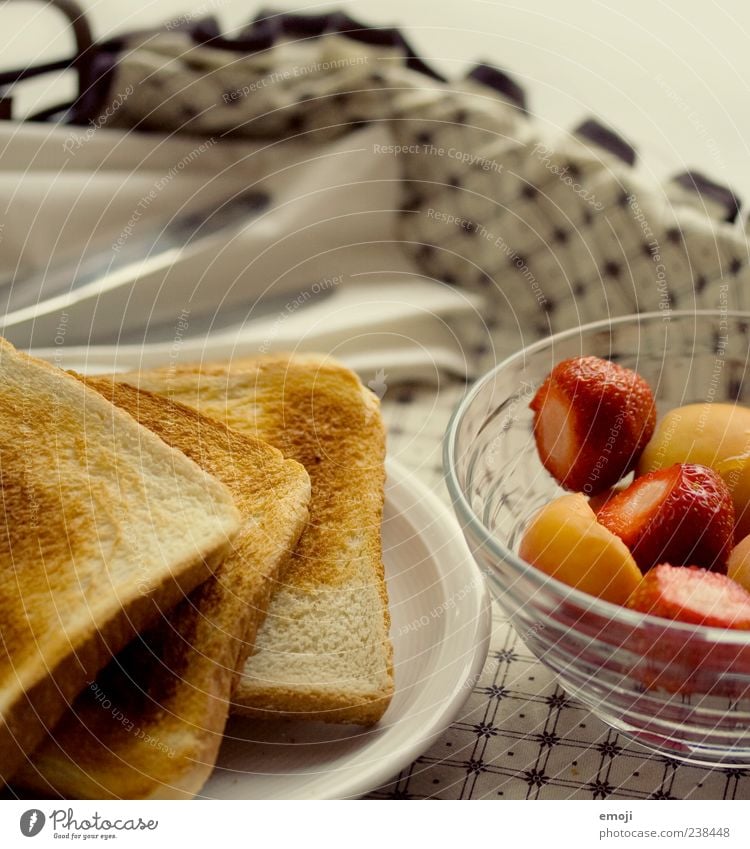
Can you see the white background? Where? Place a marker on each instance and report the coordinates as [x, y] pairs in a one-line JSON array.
[[673, 77], [566, 825]]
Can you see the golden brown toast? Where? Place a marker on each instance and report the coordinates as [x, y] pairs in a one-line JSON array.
[[152, 723], [103, 526], [323, 651]]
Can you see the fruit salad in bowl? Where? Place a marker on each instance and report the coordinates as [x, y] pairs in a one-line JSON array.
[[602, 478]]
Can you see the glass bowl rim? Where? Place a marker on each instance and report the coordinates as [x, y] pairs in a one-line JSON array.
[[498, 549]]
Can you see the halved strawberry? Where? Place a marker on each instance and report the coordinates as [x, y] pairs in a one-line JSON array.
[[592, 420], [681, 515], [690, 594], [689, 663], [596, 502]]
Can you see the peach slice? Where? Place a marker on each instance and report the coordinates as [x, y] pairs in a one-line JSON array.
[[715, 435], [738, 566], [565, 541], [736, 474]]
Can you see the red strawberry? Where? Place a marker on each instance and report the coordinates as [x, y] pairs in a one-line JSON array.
[[690, 594], [688, 662], [596, 502], [592, 420], [681, 515]]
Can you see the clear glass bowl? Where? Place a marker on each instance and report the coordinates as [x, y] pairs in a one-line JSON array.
[[678, 689]]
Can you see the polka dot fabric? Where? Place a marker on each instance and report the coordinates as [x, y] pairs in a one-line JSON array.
[[553, 231]]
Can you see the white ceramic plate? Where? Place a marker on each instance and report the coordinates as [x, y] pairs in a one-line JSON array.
[[441, 629]]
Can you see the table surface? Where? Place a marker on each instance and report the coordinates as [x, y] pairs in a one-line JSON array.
[[674, 85]]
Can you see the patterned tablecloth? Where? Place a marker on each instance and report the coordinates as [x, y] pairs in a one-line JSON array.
[[520, 736]]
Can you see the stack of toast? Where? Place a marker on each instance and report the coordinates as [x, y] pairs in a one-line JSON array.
[[182, 544]]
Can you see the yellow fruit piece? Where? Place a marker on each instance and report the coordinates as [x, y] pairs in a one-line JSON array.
[[738, 566], [565, 541], [735, 472], [715, 435]]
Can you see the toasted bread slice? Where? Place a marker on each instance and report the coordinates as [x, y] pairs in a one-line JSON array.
[[103, 526], [323, 651], [152, 723]]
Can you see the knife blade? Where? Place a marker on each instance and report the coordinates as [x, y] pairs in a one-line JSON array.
[[32, 296]]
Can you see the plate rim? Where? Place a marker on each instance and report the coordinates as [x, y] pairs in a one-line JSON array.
[[373, 774], [398, 472]]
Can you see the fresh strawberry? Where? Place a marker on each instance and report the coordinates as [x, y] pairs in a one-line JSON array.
[[690, 594], [681, 515], [592, 420], [686, 660]]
